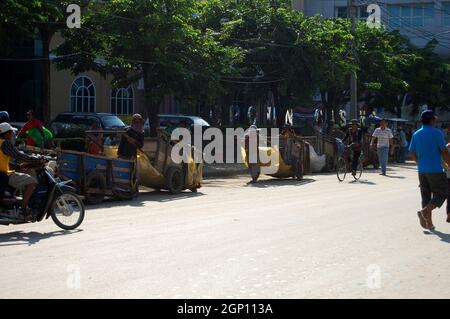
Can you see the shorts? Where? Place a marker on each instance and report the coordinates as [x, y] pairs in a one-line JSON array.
[[433, 188], [21, 180]]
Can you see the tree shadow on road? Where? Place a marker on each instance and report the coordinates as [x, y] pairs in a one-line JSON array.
[[363, 181], [394, 177], [150, 196], [30, 238], [276, 182]]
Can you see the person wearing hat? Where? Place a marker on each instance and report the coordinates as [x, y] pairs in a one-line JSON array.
[[4, 117], [17, 180], [132, 139], [354, 138], [428, 148], [30, 124], [384, 137]]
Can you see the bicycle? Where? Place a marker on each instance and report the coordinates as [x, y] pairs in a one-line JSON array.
[[344, 165]]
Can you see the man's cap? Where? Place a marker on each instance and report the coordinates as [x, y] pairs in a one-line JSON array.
[[428, 115], [354, 121], [138, 117], [30, 112], [5, 127]]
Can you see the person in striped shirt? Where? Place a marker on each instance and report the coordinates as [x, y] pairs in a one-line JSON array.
[[384, 137]]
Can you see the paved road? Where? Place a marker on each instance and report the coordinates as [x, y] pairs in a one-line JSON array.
[[279, 239]]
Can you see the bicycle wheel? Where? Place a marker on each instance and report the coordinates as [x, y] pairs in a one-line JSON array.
[[359, 170], [341, 169]]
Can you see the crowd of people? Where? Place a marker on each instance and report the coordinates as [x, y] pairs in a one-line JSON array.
[[427, 146]]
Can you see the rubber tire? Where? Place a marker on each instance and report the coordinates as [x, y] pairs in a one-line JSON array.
[[94, 199], [341, 162], [255, 172], [298, 170], [80, 220], [359, 170], [175, 180]]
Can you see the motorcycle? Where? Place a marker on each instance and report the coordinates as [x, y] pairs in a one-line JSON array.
[[51, 198]]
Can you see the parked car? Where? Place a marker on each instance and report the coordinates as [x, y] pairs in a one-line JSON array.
[[175, 120], [75, 123]]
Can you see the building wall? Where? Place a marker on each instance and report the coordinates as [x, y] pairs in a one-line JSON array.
[[61, 84], [436, 25]]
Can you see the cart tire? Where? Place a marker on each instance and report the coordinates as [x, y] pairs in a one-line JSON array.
[[298, 170], [175, 180], [97, 181], [254, 172], [125, 196]]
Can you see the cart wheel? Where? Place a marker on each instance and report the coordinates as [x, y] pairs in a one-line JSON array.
[[97, 181], [174, 177], [298, 170], [255, 172]]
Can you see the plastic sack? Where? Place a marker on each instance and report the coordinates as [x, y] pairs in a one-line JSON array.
[[317, 162], [36, 136]]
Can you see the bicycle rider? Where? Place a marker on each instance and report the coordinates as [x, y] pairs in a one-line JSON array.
[[354, 136]]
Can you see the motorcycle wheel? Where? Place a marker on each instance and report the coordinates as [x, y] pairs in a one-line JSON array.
[[68, 211]]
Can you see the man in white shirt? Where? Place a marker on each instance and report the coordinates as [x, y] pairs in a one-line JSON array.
[[384, 137]]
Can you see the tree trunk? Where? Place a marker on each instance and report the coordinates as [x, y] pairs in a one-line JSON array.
[[152, 101], [329, 107], [46, 81]]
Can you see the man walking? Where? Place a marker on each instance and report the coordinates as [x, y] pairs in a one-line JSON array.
[[384, 137], [427, 148]]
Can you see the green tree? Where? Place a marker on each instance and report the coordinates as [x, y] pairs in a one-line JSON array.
[[19, 19], [154, 40]]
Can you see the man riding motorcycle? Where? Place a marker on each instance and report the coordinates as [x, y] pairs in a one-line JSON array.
[[21, 181]]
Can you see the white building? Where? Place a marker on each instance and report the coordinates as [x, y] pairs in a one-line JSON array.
[[419, 20]]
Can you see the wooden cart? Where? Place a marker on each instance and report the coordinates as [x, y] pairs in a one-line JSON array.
[[97, 177], [293, 158], [157, 170]]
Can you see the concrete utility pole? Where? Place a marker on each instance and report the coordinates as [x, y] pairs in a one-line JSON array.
[[353, 12]]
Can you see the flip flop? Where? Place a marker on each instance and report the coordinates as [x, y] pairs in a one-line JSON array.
[[423, 221]]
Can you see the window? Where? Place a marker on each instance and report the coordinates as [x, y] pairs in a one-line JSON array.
[[82, 95], [446, 13], [416, 15], [341, 12], [122, 101], [363, 14]]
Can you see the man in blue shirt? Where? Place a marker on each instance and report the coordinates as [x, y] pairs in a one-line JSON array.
[[427, 148]]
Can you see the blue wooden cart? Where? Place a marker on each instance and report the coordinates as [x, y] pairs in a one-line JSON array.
[[97, 177]]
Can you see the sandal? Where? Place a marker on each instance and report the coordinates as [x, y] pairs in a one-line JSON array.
[[423, 221]]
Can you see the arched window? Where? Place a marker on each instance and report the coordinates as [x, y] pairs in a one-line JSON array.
[[82, 95], [122, 102]]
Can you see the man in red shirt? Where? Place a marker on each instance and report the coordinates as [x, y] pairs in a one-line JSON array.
[[30, 124]]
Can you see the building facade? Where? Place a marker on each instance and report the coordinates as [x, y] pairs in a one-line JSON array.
[[419, 20], [91, 92]]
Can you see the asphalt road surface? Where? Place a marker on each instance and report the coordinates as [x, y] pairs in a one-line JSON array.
[[317, 238]]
